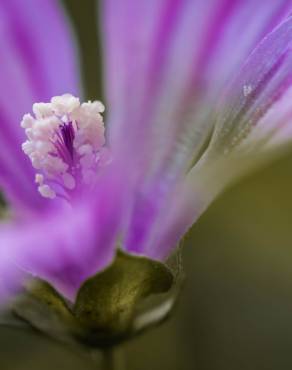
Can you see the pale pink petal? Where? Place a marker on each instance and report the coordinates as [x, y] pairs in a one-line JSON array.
[[166, 62], [253, 117]]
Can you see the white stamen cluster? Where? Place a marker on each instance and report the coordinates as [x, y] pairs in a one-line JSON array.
[[65, 143]]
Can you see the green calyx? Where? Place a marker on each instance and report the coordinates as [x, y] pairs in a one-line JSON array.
[[106, 303], [108, 307]]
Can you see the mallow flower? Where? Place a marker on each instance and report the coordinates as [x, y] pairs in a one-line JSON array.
[[197, 93]]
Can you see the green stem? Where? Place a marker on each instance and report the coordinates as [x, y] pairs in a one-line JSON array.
[[113, 359]]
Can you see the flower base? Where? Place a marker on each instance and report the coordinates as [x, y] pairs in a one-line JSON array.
[[111, 307]]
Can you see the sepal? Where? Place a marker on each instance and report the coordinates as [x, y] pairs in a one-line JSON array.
[[131, 295]]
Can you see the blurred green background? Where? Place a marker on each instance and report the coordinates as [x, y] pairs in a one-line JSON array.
[[236, 309]]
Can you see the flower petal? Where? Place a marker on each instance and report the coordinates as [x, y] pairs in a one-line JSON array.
[[37, 62], [66, 245], [254, 118], [162, 80]]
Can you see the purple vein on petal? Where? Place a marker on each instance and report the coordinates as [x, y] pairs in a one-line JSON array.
[[29, 53], [212, 39], [168, 76], [17, 170], [258, 90], [11, 152], [270, 67], [284, 9], [260, 78], [147, 205], [163, 36], [48, 53]]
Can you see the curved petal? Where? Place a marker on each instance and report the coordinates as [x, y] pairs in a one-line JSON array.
[[163, 78], [67, 245], [254, 118], [37, 61]]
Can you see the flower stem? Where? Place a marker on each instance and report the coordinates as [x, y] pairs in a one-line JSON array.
[[113, 359]]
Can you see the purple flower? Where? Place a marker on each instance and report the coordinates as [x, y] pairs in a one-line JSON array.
[[197, 93]]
